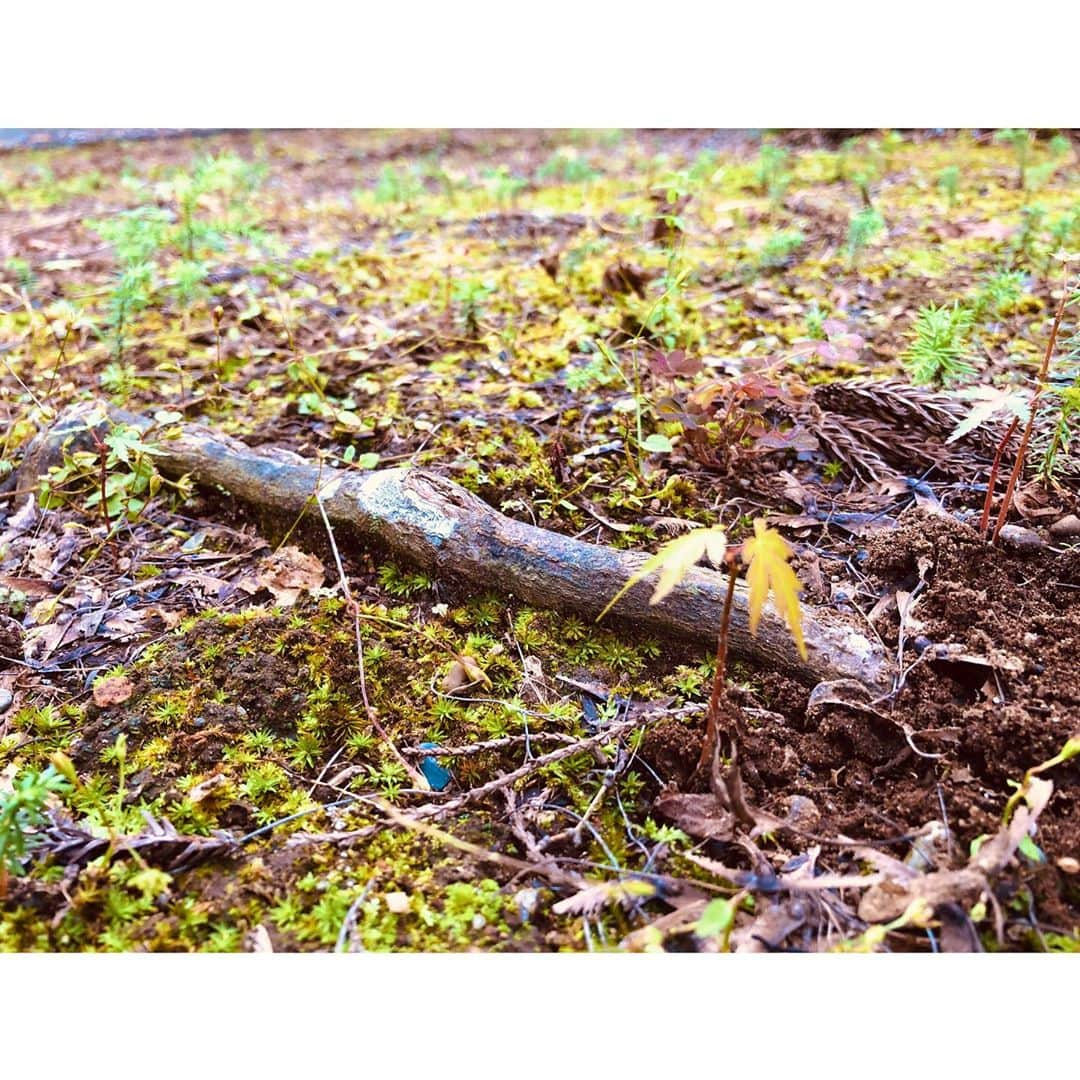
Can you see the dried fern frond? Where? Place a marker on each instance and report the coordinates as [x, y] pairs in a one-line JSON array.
[[881, 427]]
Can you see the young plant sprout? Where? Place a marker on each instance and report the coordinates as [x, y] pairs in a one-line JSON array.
[[765, 556]]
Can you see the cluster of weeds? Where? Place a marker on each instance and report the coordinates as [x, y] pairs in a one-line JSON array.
[[169, 247]]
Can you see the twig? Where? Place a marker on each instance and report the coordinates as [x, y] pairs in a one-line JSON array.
[[607, 735], [984, 521], [711, 731], [491, 744], [348, 924]]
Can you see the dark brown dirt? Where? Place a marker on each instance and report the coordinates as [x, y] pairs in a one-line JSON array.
[[986, 724]]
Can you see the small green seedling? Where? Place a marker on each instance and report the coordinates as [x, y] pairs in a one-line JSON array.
[[1020, 140], [22, 813], [765, 556], [779, 248], [865, 226], [939, 351], [949, 184]]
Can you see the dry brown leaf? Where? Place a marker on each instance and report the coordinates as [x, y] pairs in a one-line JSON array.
[[590, 900], [289, 572], [171, 619], [463, 673], [112, 691], [700, 816]]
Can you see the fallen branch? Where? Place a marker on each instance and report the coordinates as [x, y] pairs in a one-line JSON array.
[[424, 519]]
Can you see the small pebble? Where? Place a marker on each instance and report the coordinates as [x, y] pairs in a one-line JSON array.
[[396, 902], [5, 700], [1020, 539], [1066, 528], [803, 813]]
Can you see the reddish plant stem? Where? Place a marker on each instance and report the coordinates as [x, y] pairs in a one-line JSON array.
[[1025, 439], [991, 484], [103, 478], [713, 715]]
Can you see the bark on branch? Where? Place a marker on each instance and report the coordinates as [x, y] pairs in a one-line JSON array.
[[429, 521]]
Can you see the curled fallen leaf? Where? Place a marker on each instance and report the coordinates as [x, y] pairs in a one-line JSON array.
[[463, 673]]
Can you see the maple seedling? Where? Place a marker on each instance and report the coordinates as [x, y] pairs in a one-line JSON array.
[[765, 556]]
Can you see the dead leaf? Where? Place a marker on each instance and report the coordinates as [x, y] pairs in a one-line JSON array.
[[623, 278], [22, 520], [289, 572], [112, 691], [258, 940], [201, 792], [463, 673], [595, 897], [171, 619], [700, 816]]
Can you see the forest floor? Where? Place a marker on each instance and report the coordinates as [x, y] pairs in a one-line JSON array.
[[225, 731]]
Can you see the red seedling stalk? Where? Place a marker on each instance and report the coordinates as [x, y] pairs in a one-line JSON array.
[[1040, 385], [991, 484], [103, 478], [713, 715]]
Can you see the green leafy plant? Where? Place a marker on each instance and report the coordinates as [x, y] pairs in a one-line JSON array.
[[22, 272], [400, 186], [938, 353], [863, 228], [771, 175], [862, 181], [503, 185], [1000, 293], [22, 813], [1032, 219], [470, 294], [567, 165], [1066, 425], [157, 247], [118, 476], [949, 184], [1064, 230], [1020, 140], [779, 248]]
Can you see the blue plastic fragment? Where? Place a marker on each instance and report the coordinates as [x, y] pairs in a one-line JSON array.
[[437, 777]]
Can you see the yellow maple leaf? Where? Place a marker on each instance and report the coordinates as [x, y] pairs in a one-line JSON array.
[[675, 560], [766, 557]]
